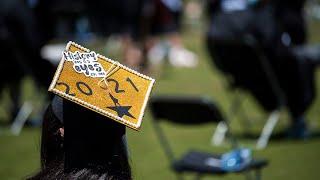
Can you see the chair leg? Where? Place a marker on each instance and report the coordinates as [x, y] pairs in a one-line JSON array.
[[267, 129], [21, 118], [219, 134]]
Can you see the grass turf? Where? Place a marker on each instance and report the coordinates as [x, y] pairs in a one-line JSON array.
[[19, 155]]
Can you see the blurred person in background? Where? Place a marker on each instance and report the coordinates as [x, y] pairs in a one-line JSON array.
[[58, 19], [165, 20], [86, 20], [276, 28], [124, 18], [140, 24], [21, 41]]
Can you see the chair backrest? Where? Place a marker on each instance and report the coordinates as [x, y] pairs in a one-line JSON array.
[[185, 110], [181, 110]]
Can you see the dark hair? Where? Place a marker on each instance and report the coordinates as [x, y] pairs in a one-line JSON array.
[[53, 157]]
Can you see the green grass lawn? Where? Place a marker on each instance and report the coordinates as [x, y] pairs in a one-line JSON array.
[[294, 160]]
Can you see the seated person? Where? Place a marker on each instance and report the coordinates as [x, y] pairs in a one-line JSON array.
[[234, 54]]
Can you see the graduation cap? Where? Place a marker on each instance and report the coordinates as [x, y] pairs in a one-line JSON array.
[[90, 139], [97, 99], [102, 85]]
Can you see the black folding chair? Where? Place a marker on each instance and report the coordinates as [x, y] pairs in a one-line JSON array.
[[193, 111]]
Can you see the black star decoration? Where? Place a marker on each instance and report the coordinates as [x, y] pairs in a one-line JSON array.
[[121, 110]]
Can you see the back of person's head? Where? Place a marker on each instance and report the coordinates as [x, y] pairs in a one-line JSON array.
[[78, 143]]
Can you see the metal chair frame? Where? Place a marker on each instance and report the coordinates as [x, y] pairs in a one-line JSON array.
[[171, 157]]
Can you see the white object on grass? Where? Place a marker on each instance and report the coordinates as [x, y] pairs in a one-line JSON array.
[[180, 57]]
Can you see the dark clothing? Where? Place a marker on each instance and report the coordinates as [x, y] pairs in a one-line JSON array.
[[242, 57], [20, 42], [164, 19], [121, 16], [290, 14]]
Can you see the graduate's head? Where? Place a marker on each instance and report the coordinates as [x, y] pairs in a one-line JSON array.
[[81, 143], [78, 138]]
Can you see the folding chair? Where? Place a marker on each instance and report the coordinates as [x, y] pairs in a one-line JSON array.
[[193, 111], [260, 66]]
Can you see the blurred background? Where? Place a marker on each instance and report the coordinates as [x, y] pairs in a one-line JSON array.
[[255, 59]]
